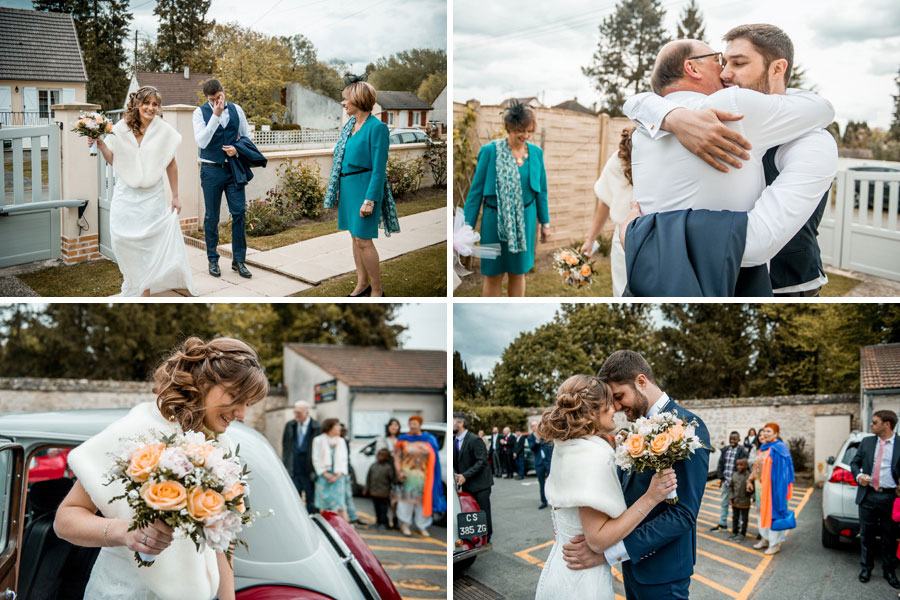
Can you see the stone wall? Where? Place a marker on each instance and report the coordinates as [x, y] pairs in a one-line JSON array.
[[576, 147]]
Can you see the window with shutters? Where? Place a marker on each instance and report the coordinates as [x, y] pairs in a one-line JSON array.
[[46, 99]]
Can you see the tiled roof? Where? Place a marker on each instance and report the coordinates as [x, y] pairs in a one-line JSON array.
[[402, 101], [880, 367], [574, 106], [39, 46], [378, 368], [173, 87]]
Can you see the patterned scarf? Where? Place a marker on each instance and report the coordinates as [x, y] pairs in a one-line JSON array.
[[510, 206], [390, 223]]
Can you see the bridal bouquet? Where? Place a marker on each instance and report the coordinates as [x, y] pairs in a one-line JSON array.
[[657, 443], [195, 485], [464, 244], [574, 267], [94, 126]]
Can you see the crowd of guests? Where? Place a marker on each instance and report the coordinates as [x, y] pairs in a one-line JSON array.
[[404, 482]]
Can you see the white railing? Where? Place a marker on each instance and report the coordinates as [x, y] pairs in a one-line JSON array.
[[303, 136]]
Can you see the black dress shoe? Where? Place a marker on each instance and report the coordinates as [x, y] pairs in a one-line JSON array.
[[241, 269], [543, 505], [865, 575], [892, 580], [365, 292], [214, 269], [717, 528]]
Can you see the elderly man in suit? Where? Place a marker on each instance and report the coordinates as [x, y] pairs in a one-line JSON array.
[[470, 466], [507, 447], [296, 452], [494, 452], [876, 468]]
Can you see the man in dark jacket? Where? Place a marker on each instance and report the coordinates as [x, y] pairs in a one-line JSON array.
[[543, 451], [470, 466], [519, 454], [727, 460], [507, 448], [296, 452]]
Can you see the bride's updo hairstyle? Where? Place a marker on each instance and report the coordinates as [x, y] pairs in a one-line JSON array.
[[136, 99], [185, 377], [580, 401]]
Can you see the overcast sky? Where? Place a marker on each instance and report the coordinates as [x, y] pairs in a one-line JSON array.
[[850, 49], [482, 331], [426, 326], [355, 31]]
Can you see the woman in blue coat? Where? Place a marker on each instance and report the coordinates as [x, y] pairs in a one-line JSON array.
[[358, 185], [511, 183]]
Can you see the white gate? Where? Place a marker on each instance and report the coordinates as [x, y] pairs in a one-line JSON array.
[[859, 229], [106, 181]]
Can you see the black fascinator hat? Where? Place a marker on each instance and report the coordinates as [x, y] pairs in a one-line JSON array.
[[518, 115], [350, 78]]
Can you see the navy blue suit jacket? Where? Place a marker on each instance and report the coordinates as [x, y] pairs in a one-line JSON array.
[[248, 155], [691, 253], [663, 548], [541, 459]]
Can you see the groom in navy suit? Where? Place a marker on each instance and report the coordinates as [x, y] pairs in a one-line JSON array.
[[657, 558]]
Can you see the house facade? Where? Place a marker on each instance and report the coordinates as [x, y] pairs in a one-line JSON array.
[[403, 110], [175, 88], [41, 66], [879, 379]]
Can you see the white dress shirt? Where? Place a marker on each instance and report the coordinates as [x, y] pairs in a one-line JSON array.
[[885, 477], [669, 177], [613, 189], [203, 132], [617, 553]]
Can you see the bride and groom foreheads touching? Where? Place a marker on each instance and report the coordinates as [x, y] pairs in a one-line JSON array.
[[604, 516], [708, 230]]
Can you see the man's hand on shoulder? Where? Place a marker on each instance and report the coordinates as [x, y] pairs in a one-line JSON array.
[[703, 133]]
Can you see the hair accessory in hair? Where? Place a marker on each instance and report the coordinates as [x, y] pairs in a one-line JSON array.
[[350, 78], [516, 113]]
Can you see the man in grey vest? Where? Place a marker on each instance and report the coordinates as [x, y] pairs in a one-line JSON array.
[[217, 126]]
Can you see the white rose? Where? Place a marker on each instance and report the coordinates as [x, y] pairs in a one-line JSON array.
[[220, 530]]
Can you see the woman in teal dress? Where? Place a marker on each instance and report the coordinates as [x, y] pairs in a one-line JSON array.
[[511, 183], [358, 184], [331, 463]]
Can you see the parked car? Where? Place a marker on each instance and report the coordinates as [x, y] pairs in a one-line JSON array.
[[408, 136], [362, 457], [871, 193], [51, 463], [292, 555], [840, 514], [468, 522]]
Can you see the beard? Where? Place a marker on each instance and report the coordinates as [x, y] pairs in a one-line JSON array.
[[640, 406], [761, 84]]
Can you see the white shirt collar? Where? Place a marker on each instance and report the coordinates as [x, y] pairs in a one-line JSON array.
[[658, 406], [462, 435]]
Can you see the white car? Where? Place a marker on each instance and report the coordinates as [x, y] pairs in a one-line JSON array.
[[363, 456], [408, 136], [840, 513]]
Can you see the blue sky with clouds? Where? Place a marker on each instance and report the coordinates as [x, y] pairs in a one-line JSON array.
[[850, 49]]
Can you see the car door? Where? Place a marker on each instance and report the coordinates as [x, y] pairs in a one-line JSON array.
[[12, 478]]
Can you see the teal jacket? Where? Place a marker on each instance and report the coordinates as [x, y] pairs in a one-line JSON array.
[[371, 152], [484, 183]]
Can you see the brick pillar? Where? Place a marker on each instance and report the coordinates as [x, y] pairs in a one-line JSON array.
[[78, 181]]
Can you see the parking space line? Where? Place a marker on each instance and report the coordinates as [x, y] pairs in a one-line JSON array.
[[416, 550], [732, 544], [401, 538], [432, 567], [527, 557], [754, 577], [716, 586], [730, 563], [750, 524]]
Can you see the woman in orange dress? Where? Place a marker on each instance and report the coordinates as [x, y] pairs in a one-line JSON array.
[[774, 470]]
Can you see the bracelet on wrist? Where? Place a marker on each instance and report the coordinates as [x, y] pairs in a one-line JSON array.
[[105, 531]]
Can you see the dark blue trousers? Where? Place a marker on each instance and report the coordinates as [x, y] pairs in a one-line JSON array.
[[520, 465], [214, 181], [541, 473], [677, 590], [303, 482]]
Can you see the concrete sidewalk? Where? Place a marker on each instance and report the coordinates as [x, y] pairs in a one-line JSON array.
[[290, 269]]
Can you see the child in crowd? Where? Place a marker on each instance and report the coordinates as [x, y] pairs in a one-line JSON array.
[[740, 499], [379, 480]]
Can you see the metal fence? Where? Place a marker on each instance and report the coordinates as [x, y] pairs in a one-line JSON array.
[[303, 136], [31, 118]]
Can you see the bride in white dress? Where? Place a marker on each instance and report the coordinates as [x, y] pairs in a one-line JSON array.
[[200, 387], [584, 491], [146, 233]]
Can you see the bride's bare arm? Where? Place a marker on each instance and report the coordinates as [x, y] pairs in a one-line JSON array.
[[172, 172], [226, 577], [76, 522], [601, 532]]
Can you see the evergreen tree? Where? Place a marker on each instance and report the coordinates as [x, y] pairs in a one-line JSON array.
[[895, 124], [406, 70], [102, 28], [798, 79], [835, 130], [691, 26], [630, 39], [182, 37], [465, 384]]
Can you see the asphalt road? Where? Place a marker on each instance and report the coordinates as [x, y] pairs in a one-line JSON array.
[[416, 565], [804, 569]]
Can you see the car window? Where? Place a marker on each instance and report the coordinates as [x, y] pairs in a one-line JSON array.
[[395, 139], [420, 137], [6, 480], [407, 138], [49, 463], [440, 437], [850, 453]]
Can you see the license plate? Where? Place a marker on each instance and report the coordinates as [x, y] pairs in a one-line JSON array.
[[471, 525]]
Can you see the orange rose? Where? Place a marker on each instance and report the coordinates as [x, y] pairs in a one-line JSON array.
[[199, 453], [164, 495], [143, 461], [571, 259], [586, 270], [634, 444], [202, 504], [108, 127], [677, 432], [236, 490], [661, 443]]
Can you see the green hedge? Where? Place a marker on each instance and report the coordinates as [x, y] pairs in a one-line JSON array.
[[488, 417]]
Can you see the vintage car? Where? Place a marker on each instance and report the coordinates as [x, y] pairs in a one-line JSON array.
[[470, 526], [292, 555]]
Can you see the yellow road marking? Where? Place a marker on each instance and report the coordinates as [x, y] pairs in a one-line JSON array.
[[750, 522], [754, 577], [415, 550], [730, 563], [732, 544], [714, 585], [401, 538], [617, 574], [527, 557], [418, 585]]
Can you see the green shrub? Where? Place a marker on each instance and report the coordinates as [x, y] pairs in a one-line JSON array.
[[404, 175], [265, 217], [487, 417], [300, 192], [436, 156], [285, 127]]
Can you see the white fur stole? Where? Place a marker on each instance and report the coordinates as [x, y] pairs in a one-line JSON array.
[[583, 473], [142, 167]]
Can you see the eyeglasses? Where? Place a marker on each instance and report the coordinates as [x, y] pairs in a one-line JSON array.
[[718, 55]]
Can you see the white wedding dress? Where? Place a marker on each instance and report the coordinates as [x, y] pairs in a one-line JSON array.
[[145, 233], [582, 473]]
